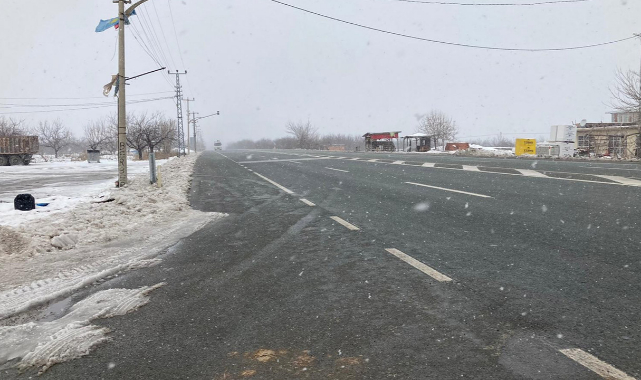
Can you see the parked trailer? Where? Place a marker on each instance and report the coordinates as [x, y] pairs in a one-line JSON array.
[[17, 150]]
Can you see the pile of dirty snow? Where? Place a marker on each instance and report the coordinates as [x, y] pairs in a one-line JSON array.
[[117, 230], [107, 217]]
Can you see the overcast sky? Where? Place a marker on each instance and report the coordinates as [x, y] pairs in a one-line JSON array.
[[262, 64]]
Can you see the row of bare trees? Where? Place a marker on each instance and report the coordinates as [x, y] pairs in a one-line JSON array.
[[304, 135], [145, 132]]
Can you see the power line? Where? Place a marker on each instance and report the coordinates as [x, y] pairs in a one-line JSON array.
[[85, 108], [87, 97], [171, 13], [493, 4], [162, 30], [452, 43]]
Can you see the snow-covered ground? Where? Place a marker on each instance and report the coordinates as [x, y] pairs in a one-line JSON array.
[[62, 183], [98, 232]]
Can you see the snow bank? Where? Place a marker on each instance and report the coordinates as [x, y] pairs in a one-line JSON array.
[[118, 230], [484, 151], [62, 184]]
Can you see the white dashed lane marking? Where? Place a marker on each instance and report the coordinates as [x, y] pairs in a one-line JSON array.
[[531, 173], [275, 184], [307, 202], [593, 363], [428, 165], [621, 180], [398, 162], [338, 170], [471, 168], [438, 276], [345, 223], [452, 190]]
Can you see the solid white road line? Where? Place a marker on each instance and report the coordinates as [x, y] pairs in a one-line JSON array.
[[398, 162], [275, 184], [621, 180], [307, 202], [338, 170], [428, 165], [471, 168], [531, 173], [438, 276], [282, 160], [346, 224], [452, 190], [591, 362]]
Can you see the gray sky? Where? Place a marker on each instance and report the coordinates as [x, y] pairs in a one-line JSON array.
[[262, 64]]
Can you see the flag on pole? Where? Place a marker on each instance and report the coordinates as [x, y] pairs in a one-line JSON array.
[[106, 24]]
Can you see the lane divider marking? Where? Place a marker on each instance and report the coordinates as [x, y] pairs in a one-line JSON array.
[[373, 160], [452, 190], [275, 184], [438, 276], [307, 202], [398, 162], [428, 165], [345, 223], [338, 170], [621, 180], [471, 168], [593, 363], [531, 173]]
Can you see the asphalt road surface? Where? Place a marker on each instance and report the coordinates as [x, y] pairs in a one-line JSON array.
[[405, 267]]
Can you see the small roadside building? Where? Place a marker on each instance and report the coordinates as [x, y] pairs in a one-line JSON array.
[[381, 141], [421, 141]]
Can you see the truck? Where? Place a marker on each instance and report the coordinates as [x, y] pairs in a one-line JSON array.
[[218, 145], [18, 150]]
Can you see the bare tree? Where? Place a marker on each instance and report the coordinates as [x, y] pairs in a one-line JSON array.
[[98, 134], [136, 139], [626, 94], [12, 127], [168, 129], [438, 125], [156, 130], [304, 133], [54, 135]]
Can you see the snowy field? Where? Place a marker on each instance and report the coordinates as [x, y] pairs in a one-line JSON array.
[[90, 230], [62, 183]]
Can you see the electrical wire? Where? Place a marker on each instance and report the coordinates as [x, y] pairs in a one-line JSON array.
[[85, 108], [162, 30], [452, 43], [87, 97], [493, 4], [154, 41], [173, 24]]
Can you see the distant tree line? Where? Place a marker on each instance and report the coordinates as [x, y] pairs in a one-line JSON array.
[[303, 135]]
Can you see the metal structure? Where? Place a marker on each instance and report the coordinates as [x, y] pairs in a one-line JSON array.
[[179, 114]]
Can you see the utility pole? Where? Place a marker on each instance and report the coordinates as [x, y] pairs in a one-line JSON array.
[[179, 113], [188, 142], [122, 110], [193, 119]]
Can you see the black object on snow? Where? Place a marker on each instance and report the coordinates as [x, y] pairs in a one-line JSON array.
[[24, 202]]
